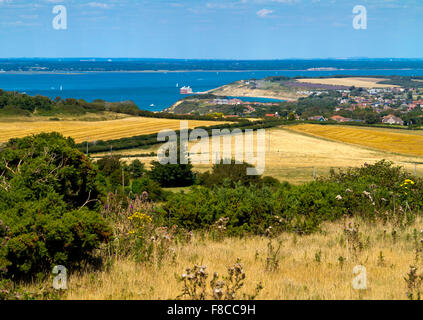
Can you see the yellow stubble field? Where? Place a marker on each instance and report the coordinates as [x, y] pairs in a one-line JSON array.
[[389, 140], [349, 82], [95, 130]]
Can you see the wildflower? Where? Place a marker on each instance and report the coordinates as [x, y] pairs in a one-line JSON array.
[[339, 197]]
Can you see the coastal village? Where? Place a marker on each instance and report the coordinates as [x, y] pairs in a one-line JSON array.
[[388, 105]]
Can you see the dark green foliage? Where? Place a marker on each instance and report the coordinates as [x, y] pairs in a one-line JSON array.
[[136, 169], [13, 103], [270, 181], [228, 174], [172, 175], [47, 188], [378, 191], [112, 173], [108, 165], [155, 192], [255, 208]]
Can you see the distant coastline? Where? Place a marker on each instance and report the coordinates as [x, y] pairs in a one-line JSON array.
[[63, 72]]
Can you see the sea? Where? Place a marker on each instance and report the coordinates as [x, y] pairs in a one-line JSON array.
[[154, 91]]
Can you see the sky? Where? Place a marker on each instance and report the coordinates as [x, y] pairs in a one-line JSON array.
[[212, 29]]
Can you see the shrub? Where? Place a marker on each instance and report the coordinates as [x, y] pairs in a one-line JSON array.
[[155, 192], [232, 172], [136, 169], [47, 189], [379, 191], [172, 175], [249, 209]]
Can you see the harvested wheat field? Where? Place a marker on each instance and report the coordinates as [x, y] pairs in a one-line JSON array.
[[95, 130], [317, 266], [349, 82], [386, 140], [293, 154]]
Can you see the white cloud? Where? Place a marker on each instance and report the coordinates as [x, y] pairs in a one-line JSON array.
[[98, 5], [264, 13]]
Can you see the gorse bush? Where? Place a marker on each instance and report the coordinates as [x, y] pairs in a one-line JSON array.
[[228, 173], [380, 191], [47, 193], [172, 175]]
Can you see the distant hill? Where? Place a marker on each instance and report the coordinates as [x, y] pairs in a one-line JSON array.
[[18, 104]]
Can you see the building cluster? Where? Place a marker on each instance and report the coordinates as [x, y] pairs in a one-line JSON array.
[[380, 100]]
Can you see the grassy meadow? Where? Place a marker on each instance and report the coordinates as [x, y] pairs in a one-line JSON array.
[[317, 266]]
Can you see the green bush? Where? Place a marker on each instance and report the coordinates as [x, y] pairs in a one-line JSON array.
[[380, 191], [47, 193], [172, 175], [255, 208], [233, 172], [155, 192]]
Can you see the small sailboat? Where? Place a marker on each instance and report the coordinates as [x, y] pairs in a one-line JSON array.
[[152, 105], [177, 85], [61, 88]]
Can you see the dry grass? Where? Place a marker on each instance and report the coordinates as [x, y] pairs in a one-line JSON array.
[[300, 274], [349, 82], [95, 130], [386, 140], [293, 154]]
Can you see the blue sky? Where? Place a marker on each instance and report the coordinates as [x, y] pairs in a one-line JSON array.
[[212, 29]]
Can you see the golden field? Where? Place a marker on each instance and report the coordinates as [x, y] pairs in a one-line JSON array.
[[95, 130], [382, 139], [317, 266], [349, 82], [293, 154]]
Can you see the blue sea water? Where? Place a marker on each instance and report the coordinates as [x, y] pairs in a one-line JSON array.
[[150, 90]]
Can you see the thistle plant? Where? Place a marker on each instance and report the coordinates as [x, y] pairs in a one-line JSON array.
[[354, 243], [219, 229], [414, 282], [219, 288], [272, 259]]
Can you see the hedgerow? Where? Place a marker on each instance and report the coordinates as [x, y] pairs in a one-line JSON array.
[[374, 192]]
